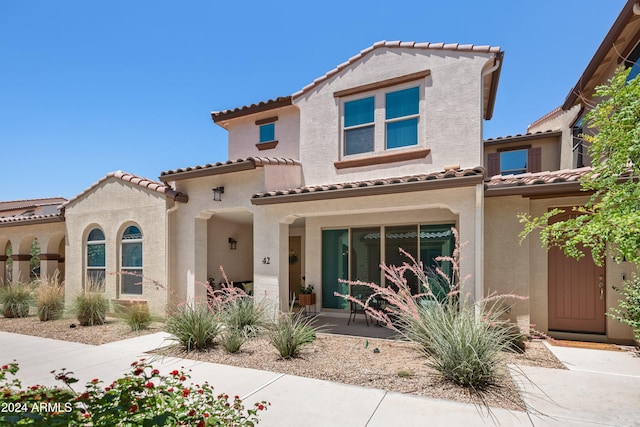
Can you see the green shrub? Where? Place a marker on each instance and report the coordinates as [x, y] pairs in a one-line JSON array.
[[91, 308], [194, 327], [138, 317], [629, 303], [16, 299], [462, 344], [290, 332], [142, 397], [231, 339], [50, 298], [243, 314]]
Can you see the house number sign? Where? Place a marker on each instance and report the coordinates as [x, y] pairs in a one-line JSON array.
[[266, 260]]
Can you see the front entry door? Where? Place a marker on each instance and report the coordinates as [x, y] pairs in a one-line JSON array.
[[576, 292]]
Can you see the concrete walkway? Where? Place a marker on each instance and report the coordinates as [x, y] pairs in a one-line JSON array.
[[600, 387]]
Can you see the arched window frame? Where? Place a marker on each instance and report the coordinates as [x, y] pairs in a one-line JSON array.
[[95, 264], [131, 260]]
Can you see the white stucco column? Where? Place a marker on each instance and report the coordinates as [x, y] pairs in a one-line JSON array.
[[479, 243], [271, 260], [197, 275]]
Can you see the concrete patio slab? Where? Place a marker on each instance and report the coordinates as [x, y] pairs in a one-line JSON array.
[[598, 361]]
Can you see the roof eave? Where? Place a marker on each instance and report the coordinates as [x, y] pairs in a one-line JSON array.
[[200, 172], [31, 221], [534, 189], [616, 29], [404, 187], [488, 114]]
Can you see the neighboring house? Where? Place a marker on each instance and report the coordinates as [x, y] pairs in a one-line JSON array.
[[22, 222], [567, 298], [383, 152]]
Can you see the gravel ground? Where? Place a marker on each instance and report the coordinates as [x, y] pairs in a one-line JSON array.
[[396, 366], [113, 330]]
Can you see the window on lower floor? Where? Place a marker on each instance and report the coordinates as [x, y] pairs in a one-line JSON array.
[[96, 260], [356, 253], [131, 266]]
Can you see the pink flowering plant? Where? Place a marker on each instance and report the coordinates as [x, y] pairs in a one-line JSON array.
[[141, 397]]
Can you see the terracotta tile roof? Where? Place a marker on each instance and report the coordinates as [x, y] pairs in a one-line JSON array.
[[251, 109], [398, 44], [158, 187], [30, 203], [550, 115], [540, 182], [225, 167], [287, 100], [17, 220], [520, 136], [447, 178]]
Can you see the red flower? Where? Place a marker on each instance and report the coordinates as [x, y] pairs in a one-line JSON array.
[[155, 372], [192, 412], [260, 407], [201, 423], [138, 371], [185, 392], [170, 389], [5, 367], [200, 391], [175, 373], [86, 415], [182, 378], [149, 385], [134, 408], [95, 381]]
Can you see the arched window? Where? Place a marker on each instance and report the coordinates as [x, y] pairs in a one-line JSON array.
[[131, 267], [95, 269]]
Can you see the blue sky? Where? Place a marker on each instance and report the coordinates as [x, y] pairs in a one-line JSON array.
[[90, 87]]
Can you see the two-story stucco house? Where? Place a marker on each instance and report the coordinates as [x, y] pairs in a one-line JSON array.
[[383, 152]]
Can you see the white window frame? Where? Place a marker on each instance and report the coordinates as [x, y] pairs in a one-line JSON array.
[[137, 270], [87, 267], [380, 121]]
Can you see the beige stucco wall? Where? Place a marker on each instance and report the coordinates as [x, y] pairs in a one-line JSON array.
[[562, 121], [244, 134], [523, 268], [112, 206], [450, 113]]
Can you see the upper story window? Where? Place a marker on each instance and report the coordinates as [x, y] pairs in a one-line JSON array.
[[514, 160], [392, 116], [268, 132], [633, 62], [131, 266], [359, 126], [402, 113], [96, 260]]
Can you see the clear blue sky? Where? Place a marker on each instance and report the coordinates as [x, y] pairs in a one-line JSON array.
[[90, 87]]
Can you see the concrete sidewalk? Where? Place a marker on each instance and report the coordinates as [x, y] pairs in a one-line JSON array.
[[576, 397]]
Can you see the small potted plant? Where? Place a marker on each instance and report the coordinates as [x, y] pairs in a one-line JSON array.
[[307, 297]]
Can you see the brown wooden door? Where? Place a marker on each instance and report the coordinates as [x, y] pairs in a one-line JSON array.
[[576, 293]]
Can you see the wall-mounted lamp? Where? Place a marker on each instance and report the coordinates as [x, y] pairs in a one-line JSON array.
[[217, 193], [233, 244]]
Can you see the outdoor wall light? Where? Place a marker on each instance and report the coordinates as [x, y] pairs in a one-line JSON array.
[[233, 244], [217, 193]]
